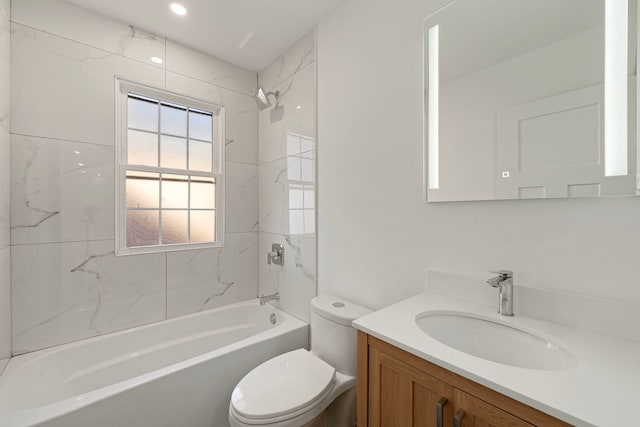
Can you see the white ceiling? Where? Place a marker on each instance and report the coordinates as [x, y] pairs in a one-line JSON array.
[[247, 33]]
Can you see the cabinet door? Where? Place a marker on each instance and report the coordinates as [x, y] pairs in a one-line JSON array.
[[400, 395], [478, 413]]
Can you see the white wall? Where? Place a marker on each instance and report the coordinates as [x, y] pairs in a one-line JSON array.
[[66, 282], [5, 166], [377, 236], [287, 149]]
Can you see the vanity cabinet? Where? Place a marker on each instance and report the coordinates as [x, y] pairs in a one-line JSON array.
[[398, 389]]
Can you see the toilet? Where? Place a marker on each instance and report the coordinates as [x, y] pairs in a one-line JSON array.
[[304, 388]]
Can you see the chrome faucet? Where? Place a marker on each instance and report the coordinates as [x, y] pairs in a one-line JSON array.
[[266, 298], [504, 282]]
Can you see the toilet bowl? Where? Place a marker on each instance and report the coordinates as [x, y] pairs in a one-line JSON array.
[[304, 388]]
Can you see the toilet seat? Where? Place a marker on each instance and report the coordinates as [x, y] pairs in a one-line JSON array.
[[282, 388]]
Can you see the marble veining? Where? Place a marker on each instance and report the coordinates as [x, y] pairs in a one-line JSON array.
[[286, 179], [226, 284], [287, 195], [189, 62], [102, 33], [55, 68], [61, 191], [287, 65], [298, 100], [296, 279], [64, 292], [85, 268], [202, 279], [307, 272], [67, 282], [126, 40], [241, 125], [242, 198]]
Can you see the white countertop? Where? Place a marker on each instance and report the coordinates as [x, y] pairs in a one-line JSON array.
[[603, 389]]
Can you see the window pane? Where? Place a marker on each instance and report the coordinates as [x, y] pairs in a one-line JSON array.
[[200, 126], [203, 226], [142, 228], [309, 221], [294, 172], [293, 144], [143, 114], [174, 227], [307, 170], [142, 148], [175, 191], [306, 144], [173, 152], [142, 190], [309, 197], [173, 120], [296, 197], [200, 156], [203, 193], [296, 221]]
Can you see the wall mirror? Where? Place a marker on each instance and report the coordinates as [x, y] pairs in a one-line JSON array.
[[528, 99]]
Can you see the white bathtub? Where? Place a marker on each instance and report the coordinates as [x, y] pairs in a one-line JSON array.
[[176, 373]]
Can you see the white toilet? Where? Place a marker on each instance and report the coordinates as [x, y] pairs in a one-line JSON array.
[[306, 388]]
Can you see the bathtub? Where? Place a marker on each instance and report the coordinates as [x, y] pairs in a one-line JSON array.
[[175, 373]]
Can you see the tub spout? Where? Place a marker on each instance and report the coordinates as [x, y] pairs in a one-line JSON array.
[[266, 298]]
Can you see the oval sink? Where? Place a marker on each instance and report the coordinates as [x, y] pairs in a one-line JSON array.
[[497, 342]]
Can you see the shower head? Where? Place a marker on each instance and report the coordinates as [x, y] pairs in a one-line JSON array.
[[262, 98]]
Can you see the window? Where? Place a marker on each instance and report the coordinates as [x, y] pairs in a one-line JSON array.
[[170, 190], [301, 180]]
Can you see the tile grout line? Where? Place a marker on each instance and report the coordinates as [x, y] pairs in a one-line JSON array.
[[287, 157], [287, 235], [64, 242], [167, 70], [73, 141], [62, 140]]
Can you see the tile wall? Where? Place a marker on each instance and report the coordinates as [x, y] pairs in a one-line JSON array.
[[5, 167], [287, 170], [66, 282]]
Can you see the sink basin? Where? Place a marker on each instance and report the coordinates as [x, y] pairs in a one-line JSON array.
[[494, 341]]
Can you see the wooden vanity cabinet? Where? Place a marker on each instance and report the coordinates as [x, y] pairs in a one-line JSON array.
[[398, 389]]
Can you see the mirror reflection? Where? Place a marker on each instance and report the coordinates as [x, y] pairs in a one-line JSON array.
[[531, 99]]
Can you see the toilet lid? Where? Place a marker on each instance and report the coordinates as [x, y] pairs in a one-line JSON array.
[[282, 385]]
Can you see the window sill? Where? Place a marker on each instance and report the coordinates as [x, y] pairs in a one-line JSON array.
[[140, 250]]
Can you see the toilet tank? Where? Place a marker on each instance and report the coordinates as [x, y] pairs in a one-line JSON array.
[[333, 339]]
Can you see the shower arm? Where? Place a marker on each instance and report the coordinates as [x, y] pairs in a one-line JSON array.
[[275, 94]]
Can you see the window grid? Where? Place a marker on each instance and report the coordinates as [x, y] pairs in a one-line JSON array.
[[302, 181], [191, 176]]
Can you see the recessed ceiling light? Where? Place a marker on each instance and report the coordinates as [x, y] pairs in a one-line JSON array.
[[76, 152], [178, 9], [81, 164], [299, 107], [157, 59]]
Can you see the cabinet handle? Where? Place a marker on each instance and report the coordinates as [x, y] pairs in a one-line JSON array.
[[439, 410], [457, 420]]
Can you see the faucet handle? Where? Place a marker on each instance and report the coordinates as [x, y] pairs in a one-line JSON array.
[[507, 274]]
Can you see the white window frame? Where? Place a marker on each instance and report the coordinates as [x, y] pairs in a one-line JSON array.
[[123, 88]]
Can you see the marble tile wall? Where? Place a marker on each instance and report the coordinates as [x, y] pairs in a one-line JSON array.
[[67, 284], [286, 178], [5, 167]]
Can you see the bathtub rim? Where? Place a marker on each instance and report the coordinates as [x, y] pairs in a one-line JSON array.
[[50, 411]]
